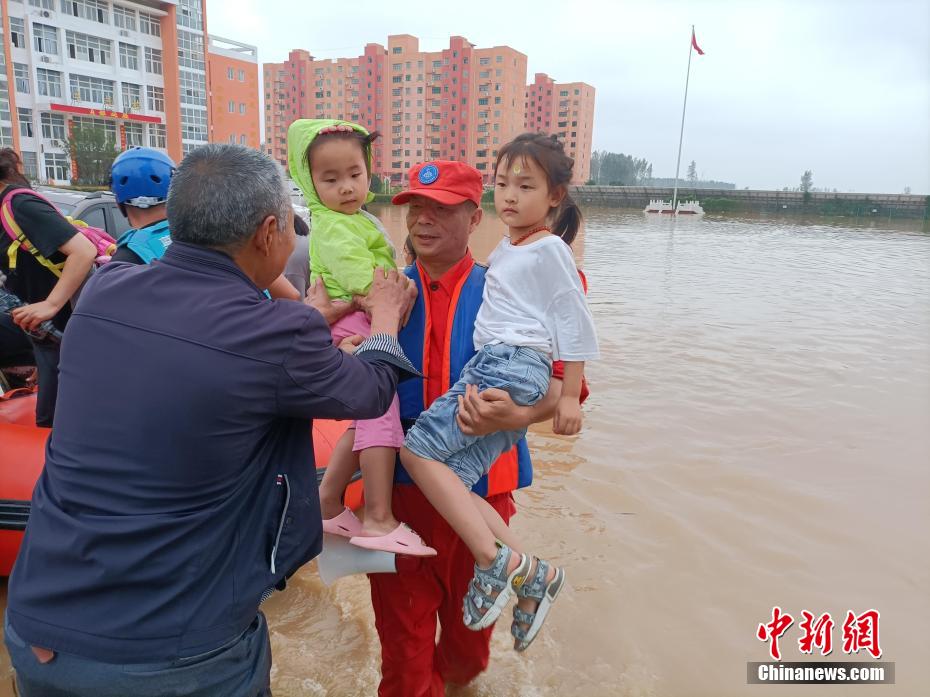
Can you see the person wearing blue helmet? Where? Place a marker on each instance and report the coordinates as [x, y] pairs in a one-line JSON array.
[[140, 178]]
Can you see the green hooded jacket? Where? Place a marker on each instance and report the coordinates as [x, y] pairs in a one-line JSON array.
[[344, 249]]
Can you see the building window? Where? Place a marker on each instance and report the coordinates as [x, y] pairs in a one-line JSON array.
[[124, 18], [241, 76], [232, 107], [153, 61], [44, 4], [132, 97], [156, 98], [193, 89], [53, 126], [134, 135], [45, 38], [94, 10], [17, 32], [21, 74], [91, 89], [190, 14], [242, 140], [25, 122], [149, 24], [49, 82], [89, 48], [241, 108], [128, 56], [57, 166], [193, 124], [30, 165], [190, 50], [229, 73], [158, 135], [105, 125]]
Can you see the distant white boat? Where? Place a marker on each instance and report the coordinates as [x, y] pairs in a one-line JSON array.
[[660, 207]]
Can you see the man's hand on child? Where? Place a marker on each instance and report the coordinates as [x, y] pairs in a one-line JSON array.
[[350, 343], [492, 410], [391, 294], [318, 299], [567, 420]]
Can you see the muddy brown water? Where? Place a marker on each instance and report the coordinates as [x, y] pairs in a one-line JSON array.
[[757, 435]]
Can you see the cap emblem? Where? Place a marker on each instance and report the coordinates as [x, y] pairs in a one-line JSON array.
[[428, 174]]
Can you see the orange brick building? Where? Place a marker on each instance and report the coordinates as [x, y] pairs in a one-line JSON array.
[[232, 82], [566, 110], [459, 103]]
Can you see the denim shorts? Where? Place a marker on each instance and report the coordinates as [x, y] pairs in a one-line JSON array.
[[523, 372]]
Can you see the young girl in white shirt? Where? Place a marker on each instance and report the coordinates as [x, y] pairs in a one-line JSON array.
[[533, 311]]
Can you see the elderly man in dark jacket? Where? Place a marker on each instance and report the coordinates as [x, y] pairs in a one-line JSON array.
[[179, 486]]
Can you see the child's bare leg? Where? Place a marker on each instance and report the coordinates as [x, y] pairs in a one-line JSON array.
[[454, 502], [378, 481], [497, 525], [343, 463]]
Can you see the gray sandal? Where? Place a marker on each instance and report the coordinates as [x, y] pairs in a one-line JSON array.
[[545, 594], [490, 589]]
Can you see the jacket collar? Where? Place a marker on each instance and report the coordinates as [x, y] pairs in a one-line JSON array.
[[204, 259]]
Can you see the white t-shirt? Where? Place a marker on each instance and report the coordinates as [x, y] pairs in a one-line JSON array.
[[533, 297]]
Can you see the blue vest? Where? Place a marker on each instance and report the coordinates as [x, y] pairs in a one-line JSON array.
[[148, 243], [512, 470]]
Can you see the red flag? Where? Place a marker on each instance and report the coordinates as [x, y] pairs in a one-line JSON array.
[[694, 44]]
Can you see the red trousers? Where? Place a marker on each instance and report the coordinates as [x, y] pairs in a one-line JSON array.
[[425, 590]]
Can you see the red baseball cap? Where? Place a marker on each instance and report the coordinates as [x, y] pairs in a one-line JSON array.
[[445, 181]]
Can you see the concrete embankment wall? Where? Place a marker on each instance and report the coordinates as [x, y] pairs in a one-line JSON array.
[[739, 200]]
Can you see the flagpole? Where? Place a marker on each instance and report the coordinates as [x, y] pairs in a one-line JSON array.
[[681, 135]]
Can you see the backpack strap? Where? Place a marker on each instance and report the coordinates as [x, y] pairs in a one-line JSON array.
[[18, 237]]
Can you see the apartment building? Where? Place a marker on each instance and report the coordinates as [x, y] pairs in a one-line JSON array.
[[137, 69], [232, 82], [458, 103], [566, 110]]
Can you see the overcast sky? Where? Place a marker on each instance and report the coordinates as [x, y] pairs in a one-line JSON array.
[[840, 87]]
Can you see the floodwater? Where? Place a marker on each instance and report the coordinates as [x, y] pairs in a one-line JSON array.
[[757, 435]]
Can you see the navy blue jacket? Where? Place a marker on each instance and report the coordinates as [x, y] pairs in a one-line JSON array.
[[179, 481]]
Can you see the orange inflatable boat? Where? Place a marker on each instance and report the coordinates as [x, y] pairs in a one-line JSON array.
[[22, 456]]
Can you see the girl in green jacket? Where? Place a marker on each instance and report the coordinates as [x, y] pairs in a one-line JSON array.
[[331, 162]]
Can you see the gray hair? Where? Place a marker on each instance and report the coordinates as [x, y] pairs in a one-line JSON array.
[[221, 194]]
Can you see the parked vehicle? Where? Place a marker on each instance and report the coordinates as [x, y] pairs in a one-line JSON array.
[[97, 208]]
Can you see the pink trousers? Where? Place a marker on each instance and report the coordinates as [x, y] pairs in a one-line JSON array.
[[385, 431]]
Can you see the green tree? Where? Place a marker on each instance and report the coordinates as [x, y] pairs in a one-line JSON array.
[[692, 172], [93, 151], [807, 181], [377, 186], [617, 169]]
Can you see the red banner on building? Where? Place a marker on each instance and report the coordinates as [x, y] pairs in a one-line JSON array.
[[105, 113]]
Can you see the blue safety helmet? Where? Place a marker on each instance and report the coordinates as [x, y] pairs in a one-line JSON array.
[[140, 177]]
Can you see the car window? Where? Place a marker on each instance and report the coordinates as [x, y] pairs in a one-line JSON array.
[[94, 217], [120, 223], [64, 208]]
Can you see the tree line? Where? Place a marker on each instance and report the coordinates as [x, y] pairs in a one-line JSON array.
[[618, 169]]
